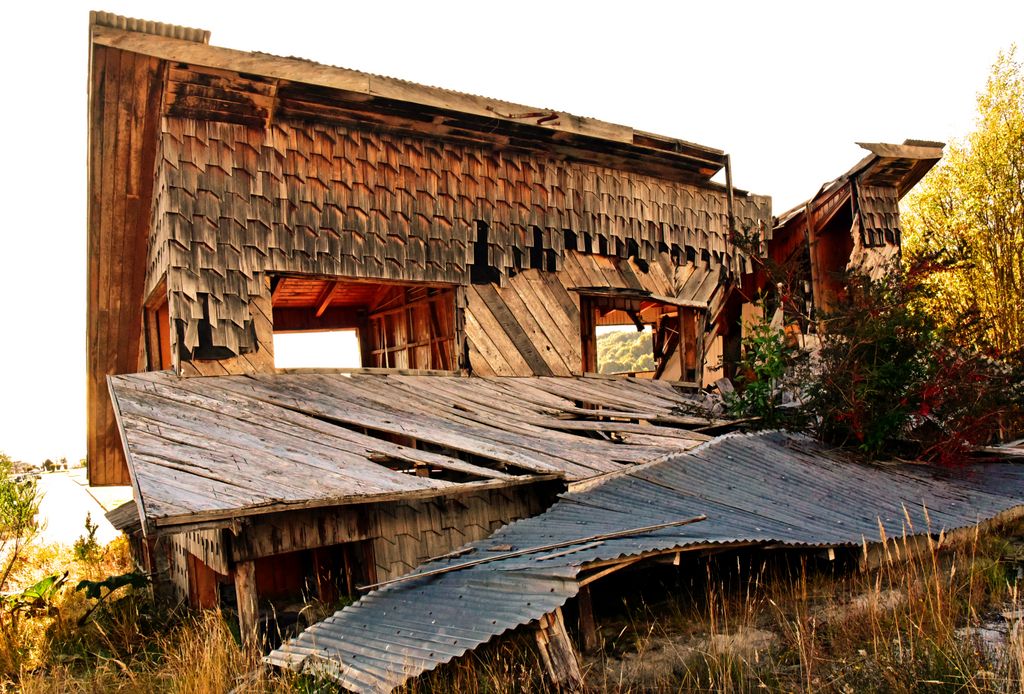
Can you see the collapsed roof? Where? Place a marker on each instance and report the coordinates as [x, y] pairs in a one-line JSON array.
[[754, 489], [205, 450]]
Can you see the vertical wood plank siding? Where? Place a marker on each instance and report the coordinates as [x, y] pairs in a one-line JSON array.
[[124, 116]]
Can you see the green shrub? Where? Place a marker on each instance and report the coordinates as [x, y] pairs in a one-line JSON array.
[[768, 367], [889, 376]]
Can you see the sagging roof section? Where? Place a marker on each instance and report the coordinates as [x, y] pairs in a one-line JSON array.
[[762, 489], [210, 449]]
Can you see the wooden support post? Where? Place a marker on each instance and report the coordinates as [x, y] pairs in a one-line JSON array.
[[588, 626], [247, 600], [557, 652]]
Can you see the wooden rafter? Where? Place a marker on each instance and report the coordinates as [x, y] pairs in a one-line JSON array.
[[278, 289], [324, 300]]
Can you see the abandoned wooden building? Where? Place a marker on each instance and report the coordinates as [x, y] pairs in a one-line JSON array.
[[474, 248], [851, 224], [462, 254]]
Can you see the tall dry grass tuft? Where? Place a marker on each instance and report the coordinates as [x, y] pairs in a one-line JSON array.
[[204, 658], [130, 644], [925, 615]]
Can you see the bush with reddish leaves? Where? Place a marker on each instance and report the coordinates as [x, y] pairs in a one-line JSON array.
[[891, 379]]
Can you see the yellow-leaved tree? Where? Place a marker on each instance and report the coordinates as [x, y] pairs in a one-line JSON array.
[[969, 213]]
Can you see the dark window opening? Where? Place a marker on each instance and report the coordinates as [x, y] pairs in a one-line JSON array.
[[569, 239], [483, 271], [537, 250], [517, 260], [602, 245], [348, 323], [633, 252]]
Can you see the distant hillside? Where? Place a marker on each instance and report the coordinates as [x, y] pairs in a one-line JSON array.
[[624, 350]]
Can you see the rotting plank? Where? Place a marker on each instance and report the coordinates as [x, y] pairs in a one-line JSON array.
[[427, 429], [431, 429], [298, 427], [276, 457]]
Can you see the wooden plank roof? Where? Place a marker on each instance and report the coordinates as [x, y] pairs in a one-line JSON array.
[[206, 450]]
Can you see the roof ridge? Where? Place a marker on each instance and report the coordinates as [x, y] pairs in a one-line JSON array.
[[145, 26]]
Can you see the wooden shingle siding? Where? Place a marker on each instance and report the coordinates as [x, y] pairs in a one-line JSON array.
[[876, 233], [879, 215], [410, 532], [236, 202]]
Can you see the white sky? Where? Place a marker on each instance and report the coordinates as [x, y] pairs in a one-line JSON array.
[[785, 88], [337, 349]]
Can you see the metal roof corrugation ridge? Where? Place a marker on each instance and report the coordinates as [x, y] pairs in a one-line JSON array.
[[145, 26], [771, 472]]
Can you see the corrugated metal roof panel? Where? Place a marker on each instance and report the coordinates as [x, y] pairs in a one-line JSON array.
[[766, 488]]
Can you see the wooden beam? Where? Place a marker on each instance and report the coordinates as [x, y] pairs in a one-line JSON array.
[[278, 289], [588, 626], [324, 300], [247, 601], [304, 319], [610, 570], [557, 652]]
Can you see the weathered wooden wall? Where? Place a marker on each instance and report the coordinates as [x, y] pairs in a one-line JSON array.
[[402, 534], [123, 116], [531, 326], [237, 202]]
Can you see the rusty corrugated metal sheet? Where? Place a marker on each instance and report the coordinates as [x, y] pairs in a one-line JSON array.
[[766, 488]]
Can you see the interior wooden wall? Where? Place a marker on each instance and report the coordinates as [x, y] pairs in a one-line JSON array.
[[413, 328]]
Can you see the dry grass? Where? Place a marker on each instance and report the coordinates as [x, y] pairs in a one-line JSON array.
[[924, 620], [131, 644], [759, 621]]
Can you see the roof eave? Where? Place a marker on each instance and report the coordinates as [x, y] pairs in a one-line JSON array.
[[182, 45]]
